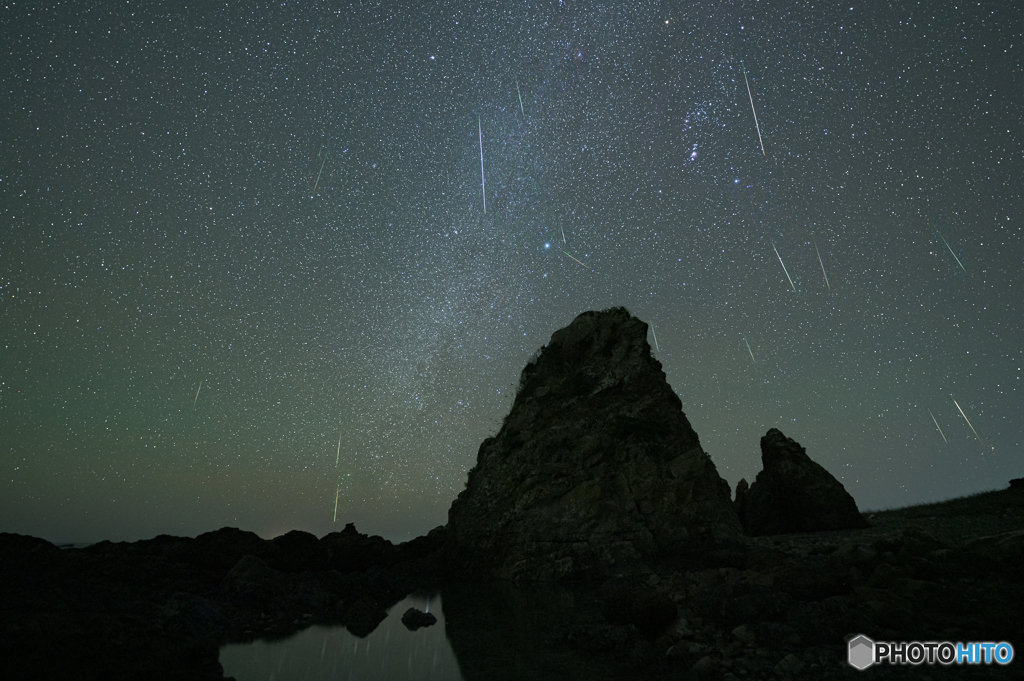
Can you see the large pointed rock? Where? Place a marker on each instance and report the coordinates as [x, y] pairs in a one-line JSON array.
[[595, 470], [793, 493]]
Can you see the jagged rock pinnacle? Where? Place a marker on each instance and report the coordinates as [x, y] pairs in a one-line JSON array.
[[595, 469]]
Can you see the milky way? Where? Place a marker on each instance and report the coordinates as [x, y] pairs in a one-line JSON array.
[[232, 236]]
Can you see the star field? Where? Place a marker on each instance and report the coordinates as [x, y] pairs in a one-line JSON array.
[[235, 236]]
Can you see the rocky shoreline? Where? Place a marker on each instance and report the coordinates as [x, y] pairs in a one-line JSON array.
[[770, 607], [784, 606], [595, 539], [162, 608], [945, 572]]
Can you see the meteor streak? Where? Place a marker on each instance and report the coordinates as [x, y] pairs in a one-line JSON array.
[[954, 255], [756, 125], [965, 418], [655, 338], [317, 183], [937, 425], [197, 394], [576, 260], [783, 266], [823, 266], [337, 460], [483, 187], [520, 98], [750, 351]]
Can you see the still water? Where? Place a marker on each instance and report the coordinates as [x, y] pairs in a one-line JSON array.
[[487, 632], [389, 652]]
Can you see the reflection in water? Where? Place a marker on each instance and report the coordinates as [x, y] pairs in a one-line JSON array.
[[487, 632], [504, 632], [389, 652]]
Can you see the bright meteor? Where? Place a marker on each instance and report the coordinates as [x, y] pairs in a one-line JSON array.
[[965, 418], [750, 351], [520, 98], [937, 425], [756, 125], [954, 256], [483, 188], [197, 394], [783, 267], [576, 260]]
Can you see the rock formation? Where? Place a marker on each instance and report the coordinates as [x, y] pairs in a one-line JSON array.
[[414, 619], [595, 469], [160, 608], [793, 493], [364, 615], [740, 502]]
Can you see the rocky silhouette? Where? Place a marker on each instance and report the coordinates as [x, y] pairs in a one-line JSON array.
[[597, 474], [161, 608], [785, 610], [364, 615], [414, 619], [793, 493], [595, 470], [740, 502]]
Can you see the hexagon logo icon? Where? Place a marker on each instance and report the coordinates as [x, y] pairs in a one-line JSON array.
[[861, 652]]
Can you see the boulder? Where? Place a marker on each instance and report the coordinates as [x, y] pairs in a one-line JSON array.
[[595, 470], [413, 619], [705, 667], [794, 494]]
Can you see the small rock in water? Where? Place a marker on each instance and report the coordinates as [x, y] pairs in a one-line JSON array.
[[413, 619]]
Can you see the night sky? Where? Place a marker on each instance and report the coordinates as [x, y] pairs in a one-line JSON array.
[[235, 233]]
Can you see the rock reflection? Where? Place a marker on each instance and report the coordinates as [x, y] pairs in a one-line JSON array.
[[491, 631], [390, 651], [503, 631]]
